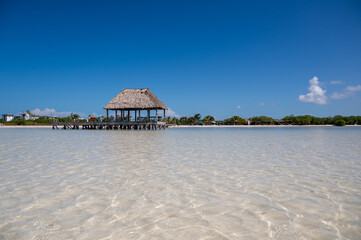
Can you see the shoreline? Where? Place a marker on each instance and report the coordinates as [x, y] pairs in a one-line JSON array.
[[199, 126], [26, 126], [253, 126]]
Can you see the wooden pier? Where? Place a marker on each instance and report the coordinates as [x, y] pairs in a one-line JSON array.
[[110, 125]]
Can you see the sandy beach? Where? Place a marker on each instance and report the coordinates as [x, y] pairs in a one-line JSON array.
[[26, 126], [252, 126]]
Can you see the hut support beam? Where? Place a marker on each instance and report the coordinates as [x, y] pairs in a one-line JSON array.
[[128, 115], [163, 113], [135, 112], [107, 113], [156, 115], [148, 116]]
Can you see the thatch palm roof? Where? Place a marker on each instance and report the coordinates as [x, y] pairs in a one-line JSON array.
[[129, 99]]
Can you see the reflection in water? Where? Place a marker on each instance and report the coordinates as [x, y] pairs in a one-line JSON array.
[[282, 183]]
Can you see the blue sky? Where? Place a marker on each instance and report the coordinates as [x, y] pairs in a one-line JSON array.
[[222, 58]]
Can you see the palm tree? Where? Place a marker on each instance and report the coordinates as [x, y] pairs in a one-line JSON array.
[[74, 116], [30, 114], [174, 120], [191, 120], [197, 117], [208, 119]]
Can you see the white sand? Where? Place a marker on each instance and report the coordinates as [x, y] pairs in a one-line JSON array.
[[251, 126], [26, 126], [197, 126]]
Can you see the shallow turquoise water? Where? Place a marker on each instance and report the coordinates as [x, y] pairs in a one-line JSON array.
[[196, 183]]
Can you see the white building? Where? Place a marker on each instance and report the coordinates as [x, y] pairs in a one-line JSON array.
[[25, 116], [8, 117]]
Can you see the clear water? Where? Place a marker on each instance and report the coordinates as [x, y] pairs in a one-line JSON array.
[[213, 183]]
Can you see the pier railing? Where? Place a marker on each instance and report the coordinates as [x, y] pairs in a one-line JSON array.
[[110, 125]]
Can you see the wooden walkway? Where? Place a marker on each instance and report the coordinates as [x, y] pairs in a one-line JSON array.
[[110, 125]]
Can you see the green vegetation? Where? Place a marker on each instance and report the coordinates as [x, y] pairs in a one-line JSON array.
[[337, 120], [208, 119], [235, 120], [42, 120], [311, 120], [74, 116], [340, 123], [264, 120], [39, 121]]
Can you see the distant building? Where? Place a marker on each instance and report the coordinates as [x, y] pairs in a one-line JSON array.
[[24, 116], [91, 118], [48, 117], [8, 117]]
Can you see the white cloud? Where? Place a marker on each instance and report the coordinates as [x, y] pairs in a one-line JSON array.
[[238, 107], [52, 112], [337, 95], [261, 104], [96, 114], [337, 82], [171, 113], [345, 93], [354, 88], [316, 94], [273, 103]]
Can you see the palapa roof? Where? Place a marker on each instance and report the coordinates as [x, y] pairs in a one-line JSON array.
[[135, 99]]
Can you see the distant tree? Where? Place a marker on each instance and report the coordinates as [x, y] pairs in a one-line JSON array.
[[183, 121], [327, 120], [74, 116], [20, 122], [351, 120], [174, 120], [358, 120], [235, 120], [167, 119], [208, 119], [262, 120], [317, 121], [30, 114], [289, 119], [340, 122], [191, 121], [197, 117]]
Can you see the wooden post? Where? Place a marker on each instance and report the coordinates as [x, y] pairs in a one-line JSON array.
[[107, 113], [128, 115], [116, 114], [156, 115], [135, 112], [163, 113], [139, 115], [122, 115], [148, 111]]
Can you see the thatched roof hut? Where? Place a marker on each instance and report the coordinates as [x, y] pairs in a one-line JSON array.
[[134, 99]]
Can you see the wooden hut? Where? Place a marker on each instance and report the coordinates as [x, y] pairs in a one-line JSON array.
[[136, 100]]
